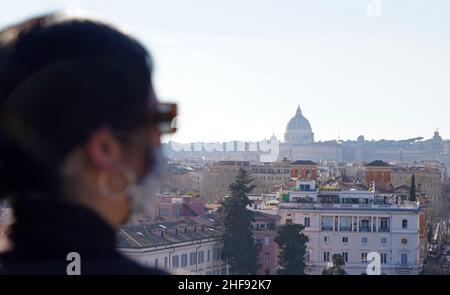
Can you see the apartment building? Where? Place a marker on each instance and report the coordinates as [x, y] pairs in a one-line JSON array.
[[354, 223]]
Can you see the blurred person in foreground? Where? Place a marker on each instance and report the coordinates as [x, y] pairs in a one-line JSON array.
[[80, 131]]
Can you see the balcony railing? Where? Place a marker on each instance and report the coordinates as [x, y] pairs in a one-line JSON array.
[[384, 229], [343, 206], [345, 228], [326, 227]]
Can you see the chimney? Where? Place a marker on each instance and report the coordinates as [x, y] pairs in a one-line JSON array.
[[185, 229], [203, 227], [162, 234], [176, 231]]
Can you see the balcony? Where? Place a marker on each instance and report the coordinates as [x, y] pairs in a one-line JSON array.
[[345, 228], [364, 229], [384, 229], [327, 227]]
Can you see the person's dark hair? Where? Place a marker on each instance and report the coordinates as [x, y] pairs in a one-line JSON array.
[[60, 80]]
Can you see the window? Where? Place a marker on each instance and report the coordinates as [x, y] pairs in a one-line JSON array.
[[163, 212], [289, 221], [208, 258], [175, 261], [156, 263], [216, 254], [183, 260], [404, 224], [266, 256], [364, 240], [307, 222], [266, 241], [364, 257], [383, 240], [383, 258], [201, 256], [404, 259], [193, 258], [345, 256], [325, 239], [305, 187], [364, 224], [327, 223], [345, 223], [384, 224], [326, 256], [166, 263], [344, 239]]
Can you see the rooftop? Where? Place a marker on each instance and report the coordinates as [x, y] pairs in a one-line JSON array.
[[304, 162], [378, 163], [169, 230]]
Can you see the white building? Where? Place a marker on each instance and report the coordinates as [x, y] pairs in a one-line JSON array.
[[185, 245], [354, 223]]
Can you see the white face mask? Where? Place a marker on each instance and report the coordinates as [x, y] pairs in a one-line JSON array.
[[145, 192]]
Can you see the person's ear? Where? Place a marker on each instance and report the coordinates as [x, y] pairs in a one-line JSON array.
[[104, 150]]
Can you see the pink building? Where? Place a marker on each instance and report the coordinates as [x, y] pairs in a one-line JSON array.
[[180, 206], [265, 230]]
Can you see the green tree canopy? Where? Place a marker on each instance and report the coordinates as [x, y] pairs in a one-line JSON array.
[[336, 268], [292, 243], [240, 247]]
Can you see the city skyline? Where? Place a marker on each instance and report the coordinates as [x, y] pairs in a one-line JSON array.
[[384, 76], [339, 139]]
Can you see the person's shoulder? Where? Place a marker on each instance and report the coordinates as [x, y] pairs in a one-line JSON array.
[[122, 266]]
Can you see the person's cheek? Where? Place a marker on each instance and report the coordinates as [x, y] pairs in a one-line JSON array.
[[155, 138]]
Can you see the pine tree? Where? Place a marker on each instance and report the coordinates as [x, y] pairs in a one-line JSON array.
[[412, 189], [240, 247], [292, 243]]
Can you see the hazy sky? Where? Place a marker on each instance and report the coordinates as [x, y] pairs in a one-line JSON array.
[[239, 68]]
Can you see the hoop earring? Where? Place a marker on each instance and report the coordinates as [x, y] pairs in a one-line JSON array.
[[103, 183]]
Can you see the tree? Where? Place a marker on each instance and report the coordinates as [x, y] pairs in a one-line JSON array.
[[240, 247], [335, 269], [412, 189], [292, 244]]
